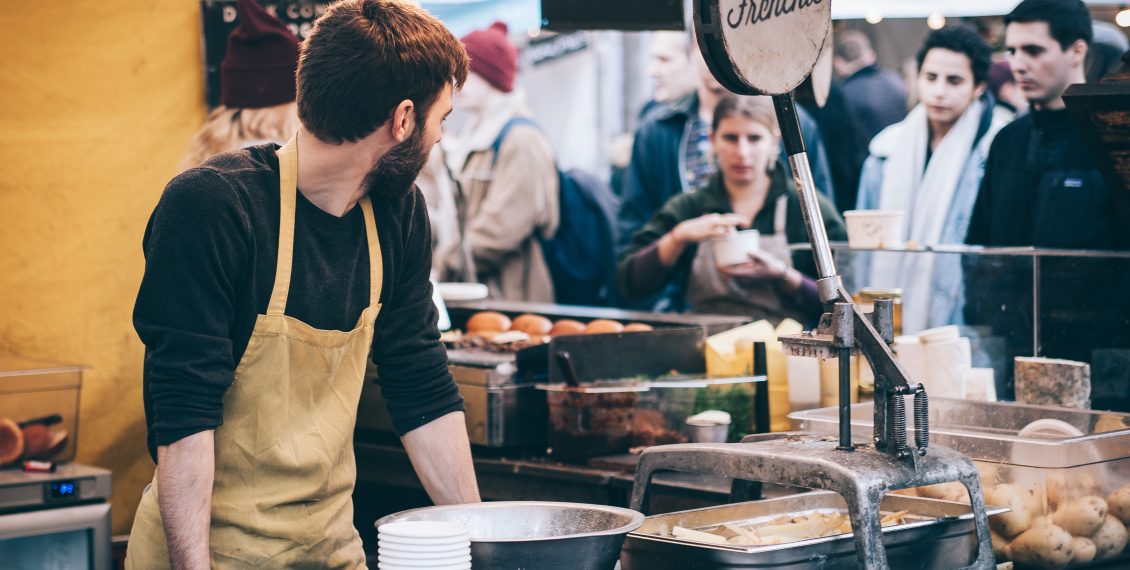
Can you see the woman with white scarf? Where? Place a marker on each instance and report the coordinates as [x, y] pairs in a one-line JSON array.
[[930, 166]]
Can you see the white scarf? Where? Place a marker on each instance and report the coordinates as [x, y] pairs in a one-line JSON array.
[[925, 193]]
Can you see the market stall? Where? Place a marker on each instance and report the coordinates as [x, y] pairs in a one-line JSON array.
[[885, 495]]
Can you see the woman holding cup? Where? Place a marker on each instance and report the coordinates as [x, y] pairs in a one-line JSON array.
[[724, 249]]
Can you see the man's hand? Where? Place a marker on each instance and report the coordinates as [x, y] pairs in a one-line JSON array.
[[184, 493], [441, 454]]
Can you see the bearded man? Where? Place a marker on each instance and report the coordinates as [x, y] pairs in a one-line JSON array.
[[273, 274]]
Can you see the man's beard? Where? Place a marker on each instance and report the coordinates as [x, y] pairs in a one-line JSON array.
[[395, 173]]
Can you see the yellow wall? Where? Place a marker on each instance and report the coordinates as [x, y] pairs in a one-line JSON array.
[[98, 99]]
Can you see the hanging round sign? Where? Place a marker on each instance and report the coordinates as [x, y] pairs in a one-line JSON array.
[[761, 47]]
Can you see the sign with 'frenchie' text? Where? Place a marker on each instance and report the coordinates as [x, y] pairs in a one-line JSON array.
[[762, 46]]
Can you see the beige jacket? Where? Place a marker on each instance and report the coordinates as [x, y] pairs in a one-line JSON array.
[[505, 207]]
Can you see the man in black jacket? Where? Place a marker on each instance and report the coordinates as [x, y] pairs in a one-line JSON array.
[[1042, 188], [1041, 185]]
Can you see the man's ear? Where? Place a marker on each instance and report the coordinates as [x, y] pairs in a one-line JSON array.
[[1079, 52], [979, 91], [403, 120]]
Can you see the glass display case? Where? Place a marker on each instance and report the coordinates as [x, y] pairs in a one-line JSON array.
[[1070, 468], [1012, 302]]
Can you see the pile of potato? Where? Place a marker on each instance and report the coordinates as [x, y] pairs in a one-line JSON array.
[[1066, 522]]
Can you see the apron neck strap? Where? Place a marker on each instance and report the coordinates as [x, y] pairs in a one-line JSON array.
[[780, 214], [288, 195], [376, 261]]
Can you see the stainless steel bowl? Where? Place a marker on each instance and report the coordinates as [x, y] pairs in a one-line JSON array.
[[536, 534]]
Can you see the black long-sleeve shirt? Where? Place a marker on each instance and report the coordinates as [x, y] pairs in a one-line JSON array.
[[210, 251]]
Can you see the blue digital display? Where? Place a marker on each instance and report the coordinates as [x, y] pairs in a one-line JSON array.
[[63, 490]]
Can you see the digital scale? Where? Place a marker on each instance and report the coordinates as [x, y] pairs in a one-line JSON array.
[[55, 520]]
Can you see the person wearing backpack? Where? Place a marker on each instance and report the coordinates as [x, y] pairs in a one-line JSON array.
[[508, 193], [750, 190]]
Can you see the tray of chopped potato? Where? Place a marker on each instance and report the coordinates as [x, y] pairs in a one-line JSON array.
[[810, 530]]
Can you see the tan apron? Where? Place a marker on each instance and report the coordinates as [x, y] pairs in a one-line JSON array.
[[285, 469], [709, 291]]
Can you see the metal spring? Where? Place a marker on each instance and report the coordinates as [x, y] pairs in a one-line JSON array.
[[898, 418], [921, 420]]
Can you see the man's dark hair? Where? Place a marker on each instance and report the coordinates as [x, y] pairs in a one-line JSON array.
[[1068, 20], [364, 57], [965, 40], [851, 45]]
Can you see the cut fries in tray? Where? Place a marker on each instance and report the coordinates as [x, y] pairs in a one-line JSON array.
[[783, 529]]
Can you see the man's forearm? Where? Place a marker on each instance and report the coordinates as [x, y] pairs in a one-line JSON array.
[[441, 454], [184, 492]]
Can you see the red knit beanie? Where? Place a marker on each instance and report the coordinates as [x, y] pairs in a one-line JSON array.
[[259, 66], [493, 57]]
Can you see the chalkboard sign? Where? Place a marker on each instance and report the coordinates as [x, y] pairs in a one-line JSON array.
[[219, 18]]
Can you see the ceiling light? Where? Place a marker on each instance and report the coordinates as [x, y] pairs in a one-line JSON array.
[[874, 17], [936, 21], [1123, 19]]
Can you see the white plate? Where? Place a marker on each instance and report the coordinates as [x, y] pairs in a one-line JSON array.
[[423, 552], [413, 543], [423, 563], [463, 566], [463, 291], [422, 529]]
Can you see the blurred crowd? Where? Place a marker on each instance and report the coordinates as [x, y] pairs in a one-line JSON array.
[[974, 147]]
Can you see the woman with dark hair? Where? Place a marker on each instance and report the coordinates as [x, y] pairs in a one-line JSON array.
[[929, 165], [749, 190]]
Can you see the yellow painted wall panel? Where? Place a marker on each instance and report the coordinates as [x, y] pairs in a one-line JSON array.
[[99, 100]]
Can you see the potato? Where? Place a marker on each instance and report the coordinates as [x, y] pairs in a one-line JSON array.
[[952, 491], [1110, 539], [1034, 499], [1064, 487], [1082, 516], [1084, 550], [1119, 503], [1046, 546], [1042, 520], [1018, 519], [1000, 546], [990, 473]]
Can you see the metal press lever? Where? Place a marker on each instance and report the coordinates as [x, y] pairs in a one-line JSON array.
[[890, 378]]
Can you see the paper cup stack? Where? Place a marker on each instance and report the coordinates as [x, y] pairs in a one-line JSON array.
[[436, 545]]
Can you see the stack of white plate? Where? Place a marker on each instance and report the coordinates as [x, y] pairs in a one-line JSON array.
[[436, 545]]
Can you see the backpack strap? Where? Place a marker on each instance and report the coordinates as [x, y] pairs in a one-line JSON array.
[[513, 122]]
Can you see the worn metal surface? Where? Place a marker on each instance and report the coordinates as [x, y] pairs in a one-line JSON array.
[[939, 536], [862, 477], [536, 534]]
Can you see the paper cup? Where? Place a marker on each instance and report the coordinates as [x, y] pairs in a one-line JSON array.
[[870, 229], [736, 248]]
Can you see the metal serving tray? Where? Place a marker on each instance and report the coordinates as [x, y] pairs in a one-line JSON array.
[[943, 539], [990, 431]]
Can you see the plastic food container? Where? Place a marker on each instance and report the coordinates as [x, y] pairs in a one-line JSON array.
[[588, 421], [870, 229], [1062, 467], [42, 399], [735, 249], [609, 418]]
